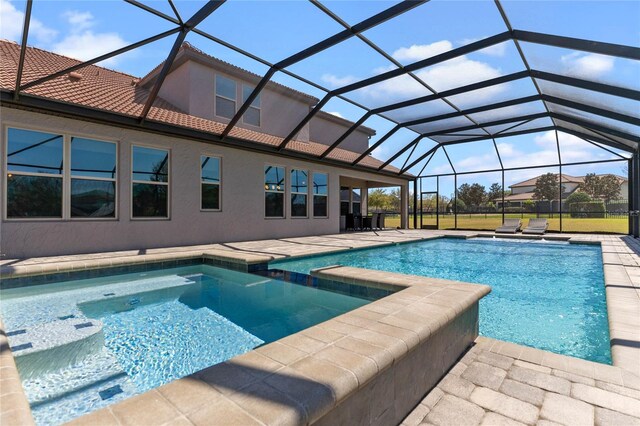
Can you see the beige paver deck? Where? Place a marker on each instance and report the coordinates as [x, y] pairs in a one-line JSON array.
[[500, 383], [504, 383]]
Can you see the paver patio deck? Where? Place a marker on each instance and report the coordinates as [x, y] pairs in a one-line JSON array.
[[494, 383], [501, 383]]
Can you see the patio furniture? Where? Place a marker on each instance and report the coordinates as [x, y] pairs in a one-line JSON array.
[[357, 222], [510, 226], [381, 221], [367, 223], [536, 226], [374, 221], [349, 222]]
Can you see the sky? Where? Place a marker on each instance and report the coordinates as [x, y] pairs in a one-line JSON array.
[[275, 30]]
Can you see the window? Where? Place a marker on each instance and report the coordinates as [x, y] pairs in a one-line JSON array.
[[345, 200], [34, 174], [320, 194], [356, 201], [252, 115], [299, 190], [274, 182], [225, 97], [150, 182], [93, 178], [210, 183]]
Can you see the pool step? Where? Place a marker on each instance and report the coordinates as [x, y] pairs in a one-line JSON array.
[[93, 393], [96, 374], [54, 345]]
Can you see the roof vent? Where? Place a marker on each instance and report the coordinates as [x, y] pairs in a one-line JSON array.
[[75, 76]]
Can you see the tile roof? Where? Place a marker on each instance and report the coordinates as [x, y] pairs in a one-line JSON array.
[[116, 92], [565, 179]]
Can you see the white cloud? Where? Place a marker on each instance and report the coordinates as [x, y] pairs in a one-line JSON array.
[[572, 149], [380, 152], [12, 20], [545, 151], [79, 42], [84, 44], [336, 81], [417, 52], [455, 72], [587, 65], [458, 72], [507, 150], [79, 21], [496, 50], [443, 168], [87, 45], [477, 162]]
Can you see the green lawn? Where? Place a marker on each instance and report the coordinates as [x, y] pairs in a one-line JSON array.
[[491, 222]]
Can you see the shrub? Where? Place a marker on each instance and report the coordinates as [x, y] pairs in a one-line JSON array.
[[617, 206], [529, 205], [462, 207], [578, 197], [592, 209], [513, 209]]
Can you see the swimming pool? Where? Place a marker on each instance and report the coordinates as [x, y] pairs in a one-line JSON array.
[[84, 344], [548, 295]]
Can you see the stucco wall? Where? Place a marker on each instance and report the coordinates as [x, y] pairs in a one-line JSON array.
[[176, 88], [192, 87], [324, 130], [241, 218]]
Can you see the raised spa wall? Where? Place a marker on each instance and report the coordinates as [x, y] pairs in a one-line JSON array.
[[371, 365]]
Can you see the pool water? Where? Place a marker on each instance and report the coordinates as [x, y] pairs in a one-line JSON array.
[[81, 345], [547, 295]]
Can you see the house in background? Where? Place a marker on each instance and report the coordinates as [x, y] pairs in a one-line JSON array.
[[524, 191], [82, 173]]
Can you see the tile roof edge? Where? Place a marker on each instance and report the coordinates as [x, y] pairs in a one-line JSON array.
[[346, 121], [79, 61]]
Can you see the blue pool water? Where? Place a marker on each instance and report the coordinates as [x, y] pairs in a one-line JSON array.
[[548, 295], [81, 345]]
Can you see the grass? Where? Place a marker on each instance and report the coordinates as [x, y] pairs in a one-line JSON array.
[[490, 222]]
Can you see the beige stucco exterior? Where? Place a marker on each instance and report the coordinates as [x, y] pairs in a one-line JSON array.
[[191, 87], [241, 217]]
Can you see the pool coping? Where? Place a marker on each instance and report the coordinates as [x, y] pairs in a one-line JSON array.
[[620, 263], [340, 357], [622, 305]]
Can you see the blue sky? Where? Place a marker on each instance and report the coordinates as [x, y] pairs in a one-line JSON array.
[[277, 29]]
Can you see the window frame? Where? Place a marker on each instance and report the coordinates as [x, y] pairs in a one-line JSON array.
[[65, 176], [292, 193], [132, 182], [216, 96], [219, 157], [313, 195], [259, 108], [351, 196], [348, 201], [114, 180], [265, 191]]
